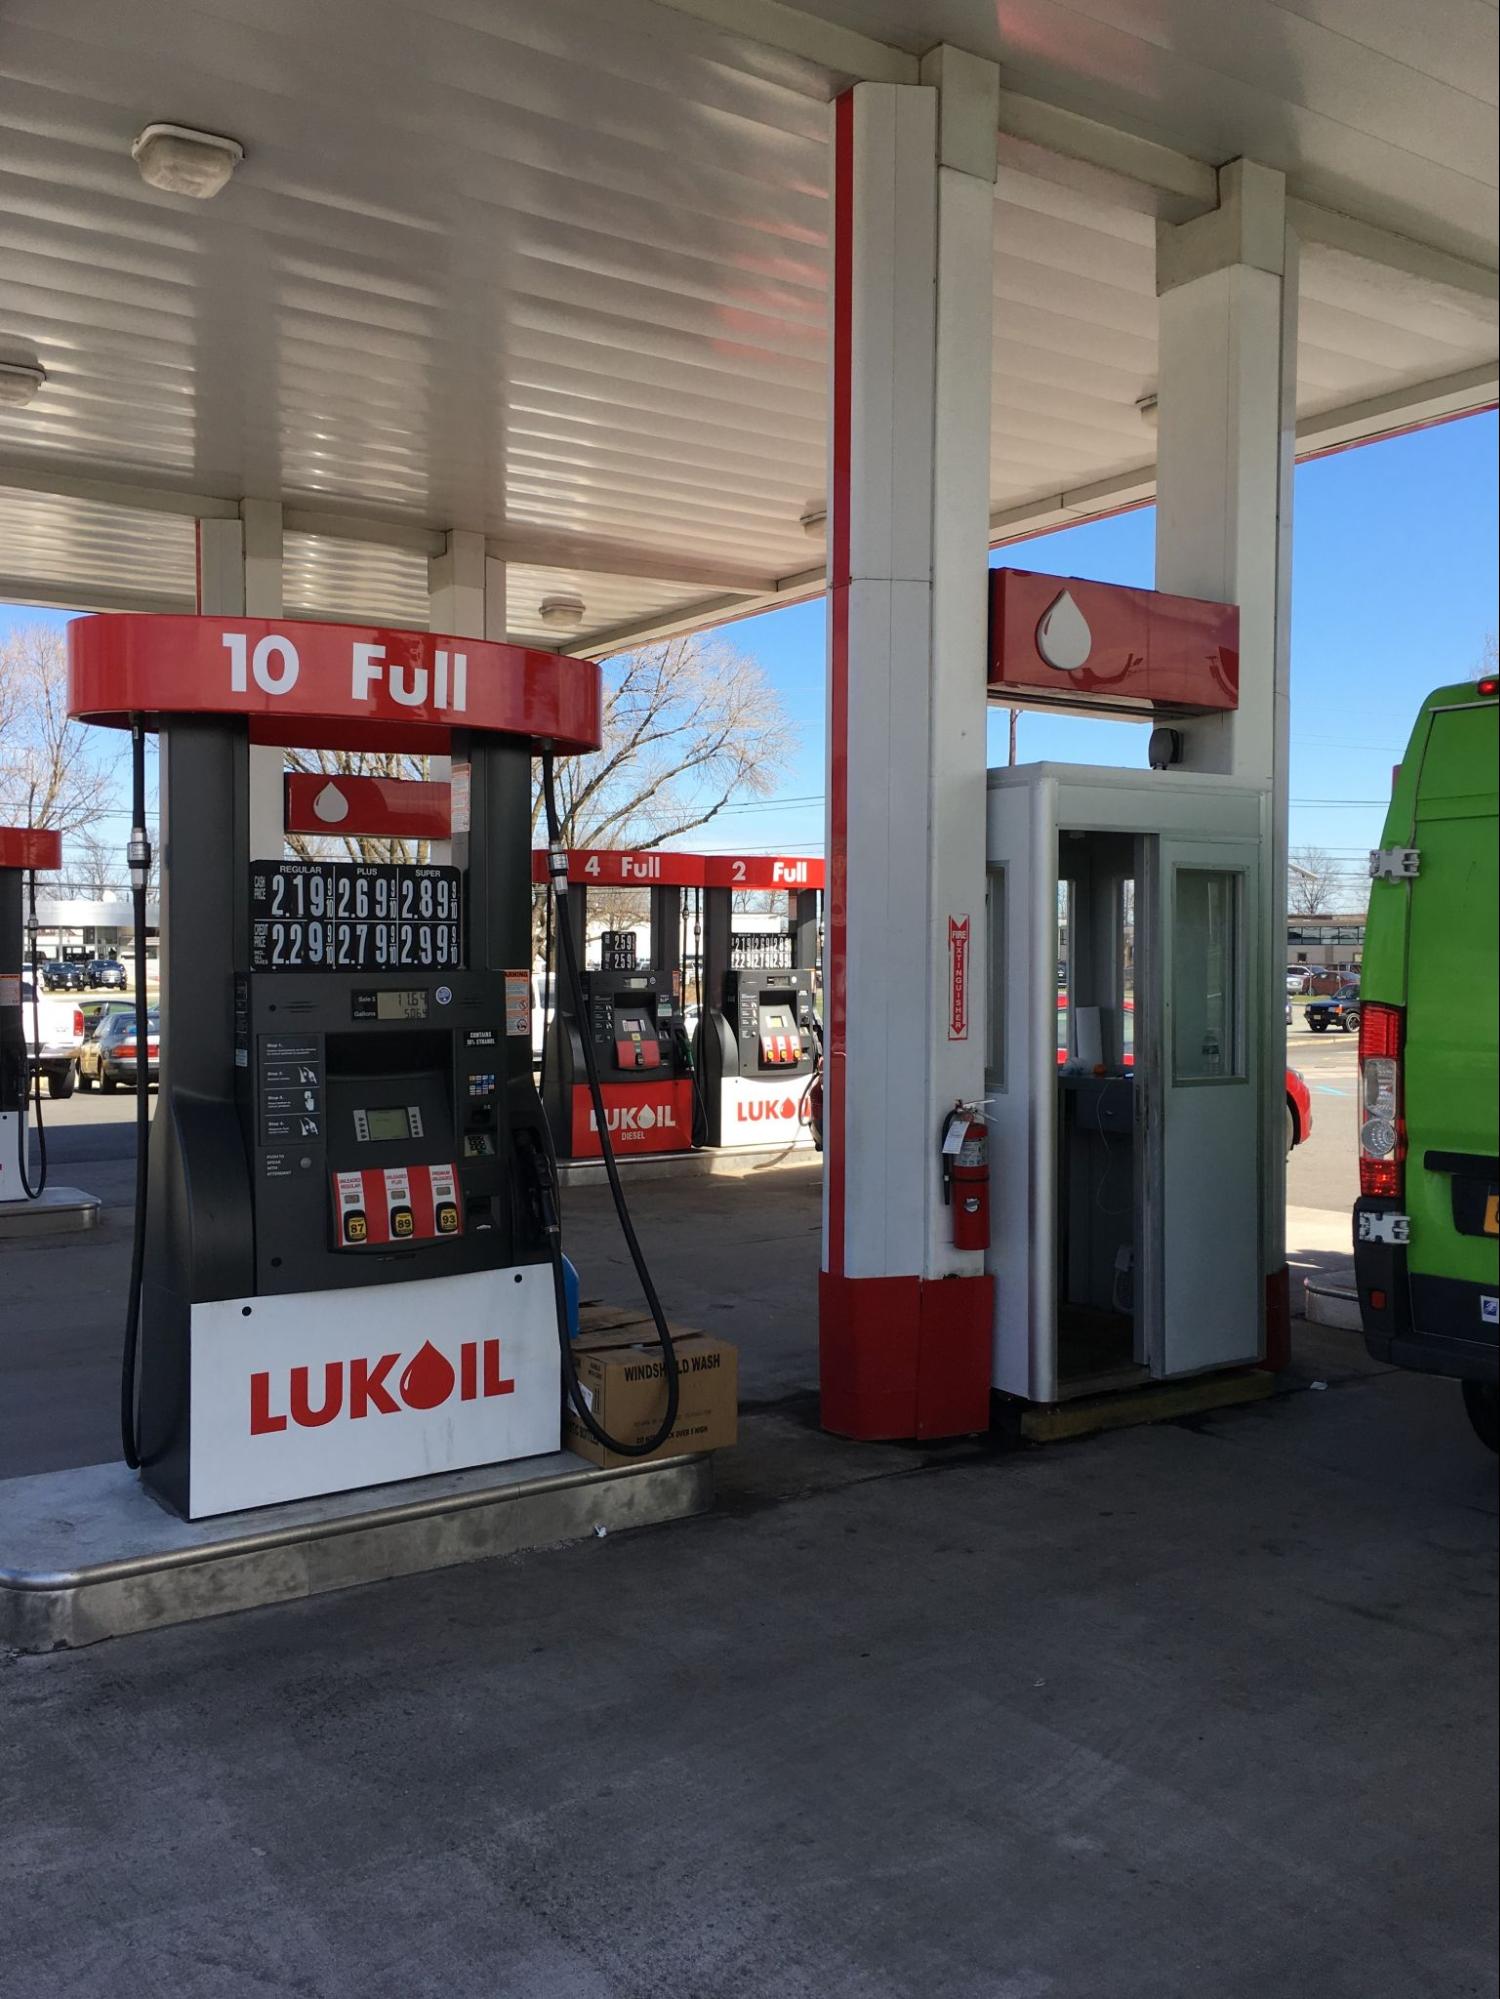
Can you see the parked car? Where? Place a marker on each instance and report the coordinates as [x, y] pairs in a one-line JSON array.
[[104, 975], [57, 1049], [1427, 1221], [1340, 1009], [109, 1055], [60, 976], [1298, 1109], [1296, 979]]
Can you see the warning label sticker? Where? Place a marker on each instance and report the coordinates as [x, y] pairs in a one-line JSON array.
[[518, 1005]]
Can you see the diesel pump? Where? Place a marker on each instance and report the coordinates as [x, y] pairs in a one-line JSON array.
[[348, 1263]]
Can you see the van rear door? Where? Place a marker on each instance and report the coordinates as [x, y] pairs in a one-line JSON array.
[[1450, 1069]]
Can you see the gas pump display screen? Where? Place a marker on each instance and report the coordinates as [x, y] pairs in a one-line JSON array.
[[388, 1122], [354, 916], [389, 1005]]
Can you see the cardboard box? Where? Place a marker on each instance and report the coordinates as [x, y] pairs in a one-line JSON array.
[[620, 1372]]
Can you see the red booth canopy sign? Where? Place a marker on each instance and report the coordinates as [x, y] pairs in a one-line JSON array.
[[1061, 642], [30, 847], [316, 686], [368, 807]]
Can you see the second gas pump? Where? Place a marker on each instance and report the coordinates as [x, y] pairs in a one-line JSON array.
[[631, 1013]]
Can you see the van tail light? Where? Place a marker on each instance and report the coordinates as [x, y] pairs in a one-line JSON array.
[[1382, 1111]]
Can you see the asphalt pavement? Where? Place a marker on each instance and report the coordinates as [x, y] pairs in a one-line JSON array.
[[1204, 1710]]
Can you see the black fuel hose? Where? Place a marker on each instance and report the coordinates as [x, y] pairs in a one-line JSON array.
[[32, 1193], [558, 887], [138, 854]]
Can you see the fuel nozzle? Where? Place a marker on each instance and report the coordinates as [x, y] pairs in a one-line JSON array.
[[542, 1183]]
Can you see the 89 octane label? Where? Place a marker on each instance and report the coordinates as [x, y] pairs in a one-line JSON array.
[[333, 916]]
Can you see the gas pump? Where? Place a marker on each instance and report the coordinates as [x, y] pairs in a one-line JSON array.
[[23, 850], [348, 1266], [630, 1013], [758, 1037]]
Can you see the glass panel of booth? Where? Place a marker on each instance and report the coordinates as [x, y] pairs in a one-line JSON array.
[[1207, 1035], [994, 1008]]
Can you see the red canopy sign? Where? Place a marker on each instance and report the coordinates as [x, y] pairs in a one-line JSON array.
[[30, 847], [367, 807], [644, 867], [317, 686], [1061, 642], [647, 867], [788, 871]]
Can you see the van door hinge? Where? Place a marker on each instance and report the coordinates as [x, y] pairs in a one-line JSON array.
[[1385, 1228], [1395, 864]]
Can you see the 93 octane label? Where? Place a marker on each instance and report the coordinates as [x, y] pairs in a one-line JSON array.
[[334, 916]]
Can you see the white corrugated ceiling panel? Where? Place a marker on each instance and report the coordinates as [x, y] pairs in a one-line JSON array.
[[557, 272]]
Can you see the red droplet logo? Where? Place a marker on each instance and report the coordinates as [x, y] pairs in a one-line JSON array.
[[788, 1109], [428, 1379]]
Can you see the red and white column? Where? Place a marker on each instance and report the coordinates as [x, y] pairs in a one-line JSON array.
[[904, 1318]]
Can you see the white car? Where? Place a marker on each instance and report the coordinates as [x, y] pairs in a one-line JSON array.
[[55, 1053]]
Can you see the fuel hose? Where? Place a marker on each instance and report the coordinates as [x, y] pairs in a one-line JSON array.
[[138, 855], [32, 1193], [568, 955]]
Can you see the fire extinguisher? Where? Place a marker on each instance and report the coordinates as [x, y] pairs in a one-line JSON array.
[[966, 1175]]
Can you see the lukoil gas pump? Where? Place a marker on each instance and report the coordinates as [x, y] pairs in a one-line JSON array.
[[630, 1012], [758, 1036], [348, 1266], [23, 850]]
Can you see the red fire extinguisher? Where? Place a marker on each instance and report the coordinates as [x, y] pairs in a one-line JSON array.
[[966, 1175]]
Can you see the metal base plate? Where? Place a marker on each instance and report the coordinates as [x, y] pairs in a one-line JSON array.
[[56, 1211], [90, 1554], [1158, 1402]]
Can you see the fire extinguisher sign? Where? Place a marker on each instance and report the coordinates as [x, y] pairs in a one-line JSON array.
[[958, 978]]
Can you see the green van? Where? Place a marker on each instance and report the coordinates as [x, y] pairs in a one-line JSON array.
[[1426, 1233]]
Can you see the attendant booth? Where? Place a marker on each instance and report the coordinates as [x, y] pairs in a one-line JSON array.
[[1124, 1068]]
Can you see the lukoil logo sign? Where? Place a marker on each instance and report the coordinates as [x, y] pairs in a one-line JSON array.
[[776, 1110], [627, 1120], [364, 1386], [324, 1391]]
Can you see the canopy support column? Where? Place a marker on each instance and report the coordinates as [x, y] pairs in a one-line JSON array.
[[1226, 442], [905, 1318]]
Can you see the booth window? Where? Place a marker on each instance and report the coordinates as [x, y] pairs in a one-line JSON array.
[[995, 1009], [1206, 1038], [1065, 906]]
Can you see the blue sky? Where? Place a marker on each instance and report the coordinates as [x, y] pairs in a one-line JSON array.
[[1394, 589]]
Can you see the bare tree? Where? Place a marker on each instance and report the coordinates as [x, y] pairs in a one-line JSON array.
[[95, 868], [689, 727], [1314, 881], [53, 772]]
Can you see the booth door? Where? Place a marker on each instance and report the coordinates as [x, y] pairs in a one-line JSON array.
[[1205, 1148]]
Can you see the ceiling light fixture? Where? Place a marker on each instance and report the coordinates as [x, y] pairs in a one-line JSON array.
[[179, 160], [813, 517], [563, 613], [19, 382], [1146, 410]]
